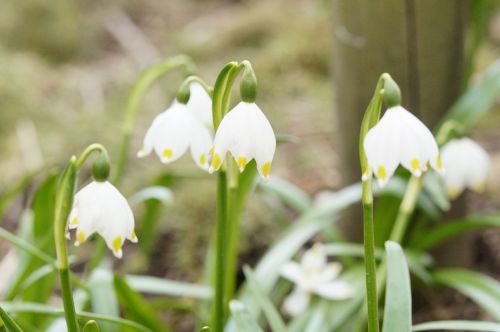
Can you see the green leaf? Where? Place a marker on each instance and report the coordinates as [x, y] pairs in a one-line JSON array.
[[242, 317], [9, 323], [13, 192], [397, 312], [39, 231], [461, 325], [290, 194], [451, 229], [434, 188], [160, 286], [478, 100], [483, 290], [102, 296], [273, 317], [45, 310], [136, 307]]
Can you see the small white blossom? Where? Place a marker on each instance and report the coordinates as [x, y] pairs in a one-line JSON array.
[[247, 134], [180, 127], [313, 275], [400, 138], [467, 165], [100, 208]]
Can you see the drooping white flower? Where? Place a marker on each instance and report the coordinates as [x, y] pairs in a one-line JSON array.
[[467, 165], [313, 275], [400, 138], [100, 208], [247, 134], [180, 127]]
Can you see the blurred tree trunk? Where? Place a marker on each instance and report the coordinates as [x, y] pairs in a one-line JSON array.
[[420, 43]]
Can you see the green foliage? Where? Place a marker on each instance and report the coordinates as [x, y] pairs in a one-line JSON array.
[[397, 313], [136, 307], [483, 290]]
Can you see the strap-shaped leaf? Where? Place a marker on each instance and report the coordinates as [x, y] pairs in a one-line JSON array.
[[482, 289], [397, 313], [460, 325]]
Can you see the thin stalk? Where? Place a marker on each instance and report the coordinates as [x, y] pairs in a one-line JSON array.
[[406, 209], [220, 254], [68, 303], [233, 236], [369, 249]]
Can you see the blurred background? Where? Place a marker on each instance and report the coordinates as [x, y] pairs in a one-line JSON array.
[[66, 68]]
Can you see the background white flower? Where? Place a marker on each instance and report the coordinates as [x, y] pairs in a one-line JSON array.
[[467, 165], [247, 134], [313, 275], [100, 208], [400, 138]]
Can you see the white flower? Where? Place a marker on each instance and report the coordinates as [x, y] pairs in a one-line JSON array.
[[400, 138], [180, 127], [100, 208], [313, 275], [467, 166], [247, 134]]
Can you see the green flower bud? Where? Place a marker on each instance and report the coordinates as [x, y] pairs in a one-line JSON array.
[[100, 168], [248, 84], [392, 93], [184, 93]]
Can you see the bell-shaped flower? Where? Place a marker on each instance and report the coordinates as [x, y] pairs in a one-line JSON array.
[[180, 127], [247, 134], [100, 208], [313, 275], [400, 138], [467, 165]]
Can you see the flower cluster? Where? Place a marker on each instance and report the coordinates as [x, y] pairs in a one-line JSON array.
[[245, 132]]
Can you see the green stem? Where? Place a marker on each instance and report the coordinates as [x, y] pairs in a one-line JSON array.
[[141, 86], [233, 235], [406, 209], [69, 305], [220, 254], [370, 266], [88, 151]]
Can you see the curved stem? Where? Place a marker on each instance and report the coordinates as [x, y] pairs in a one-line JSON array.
[[196, 79], [88, 151], [141, 86]]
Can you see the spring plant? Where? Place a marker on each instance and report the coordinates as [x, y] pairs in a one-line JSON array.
[[310, 278]]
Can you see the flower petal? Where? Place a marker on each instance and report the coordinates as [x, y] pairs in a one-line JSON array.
[[201, 142], [382, 148], [172, 136], [335, 290], [296, 302], [147, 145], [291, 271], [200, 104]]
